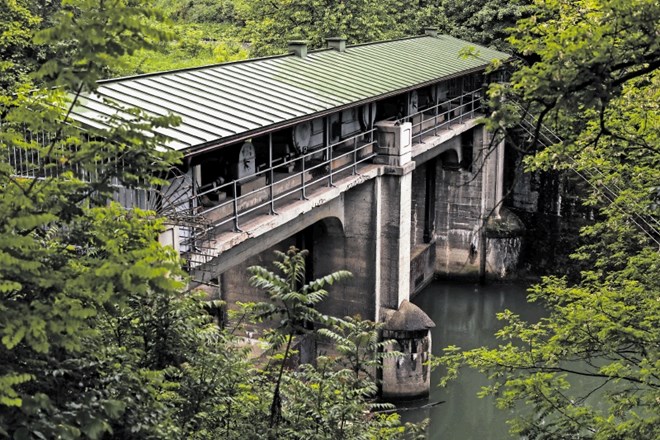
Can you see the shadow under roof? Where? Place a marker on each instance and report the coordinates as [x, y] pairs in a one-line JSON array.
[[228, 102]]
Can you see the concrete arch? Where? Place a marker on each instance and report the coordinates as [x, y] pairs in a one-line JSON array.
[[331, 225], [332, 213], [323, 236], [451, 158]]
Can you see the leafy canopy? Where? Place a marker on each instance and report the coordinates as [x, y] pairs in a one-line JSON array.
[[591, 368]]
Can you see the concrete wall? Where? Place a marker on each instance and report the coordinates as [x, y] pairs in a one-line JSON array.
[[459, 208], [468, 191], [418, 206], [234, 283], [376, 230], [352, 248], [333, 246]]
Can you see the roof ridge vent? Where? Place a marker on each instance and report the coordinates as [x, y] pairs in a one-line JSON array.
[[298, 48], [431, 31], [336, 43]]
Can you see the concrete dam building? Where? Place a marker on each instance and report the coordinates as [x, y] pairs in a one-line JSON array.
[[370, 156]]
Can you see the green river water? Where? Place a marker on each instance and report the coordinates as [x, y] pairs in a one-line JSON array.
[[465, 316]]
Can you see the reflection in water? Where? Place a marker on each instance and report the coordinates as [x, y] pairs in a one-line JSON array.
[[465, 315]]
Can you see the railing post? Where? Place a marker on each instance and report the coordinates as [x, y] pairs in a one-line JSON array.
[[272, 174], [435, 112], [328, 153], [371, 133], [460, 106], [303, 193], [236, 227], [355, 157]]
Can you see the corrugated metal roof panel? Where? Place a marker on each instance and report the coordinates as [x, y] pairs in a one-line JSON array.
[[226, 102]]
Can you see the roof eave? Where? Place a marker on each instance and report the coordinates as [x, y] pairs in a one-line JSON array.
[[220, 143]]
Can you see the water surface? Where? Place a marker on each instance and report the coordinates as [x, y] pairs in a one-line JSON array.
[[465, 315]]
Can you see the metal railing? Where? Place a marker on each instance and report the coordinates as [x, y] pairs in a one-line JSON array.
[[442, 116], [267, 189], [310, 172], [202, 213]]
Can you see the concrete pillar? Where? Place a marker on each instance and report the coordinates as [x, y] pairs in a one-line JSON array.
[[500, 230], [404, 377], [407, 376], [493, 173], [394, 150]]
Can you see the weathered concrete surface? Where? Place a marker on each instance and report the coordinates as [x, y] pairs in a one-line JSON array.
[[422, 266], [504, 242], [352, 248], [468, 191], [263, 232], [394, 219], [395, 236], [406, 376]]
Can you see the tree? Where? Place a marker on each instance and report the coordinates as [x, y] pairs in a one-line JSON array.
[[293, 306], [596, 83], [268, 25], [484, 21], [74, 362], [332, 399], [17, 25]]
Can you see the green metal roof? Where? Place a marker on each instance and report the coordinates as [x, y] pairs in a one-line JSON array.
[[229, 102]]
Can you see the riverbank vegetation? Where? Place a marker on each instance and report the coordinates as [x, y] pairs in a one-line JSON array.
[[98, 339], [98, 336], [594, 80]]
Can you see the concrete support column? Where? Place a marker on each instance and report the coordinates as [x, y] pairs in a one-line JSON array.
[[493, 174], [499, 177], [405, 377], [500, 229], [488, 194], [396, 193], [394, 148]]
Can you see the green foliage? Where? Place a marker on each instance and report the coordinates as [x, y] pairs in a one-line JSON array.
[[204, 11], [292, 303], [360, 348], [99, 33], [212, 31], [292, 306], [269, 25], [200, 33], [74, 362], [484, 21], [17, 23], [331, 398], [590, 369], [192, 45]]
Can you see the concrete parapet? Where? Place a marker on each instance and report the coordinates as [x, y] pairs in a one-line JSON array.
[[394, 142], [407, 376]]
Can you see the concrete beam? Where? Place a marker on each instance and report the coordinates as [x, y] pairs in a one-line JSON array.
[[434, 146], [263, 232], [255, 244]]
